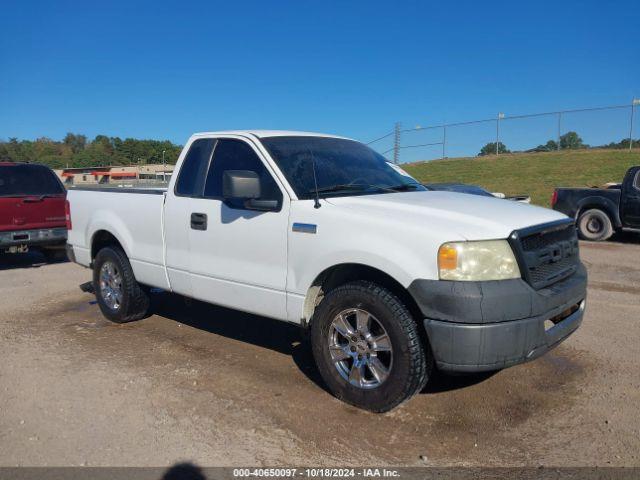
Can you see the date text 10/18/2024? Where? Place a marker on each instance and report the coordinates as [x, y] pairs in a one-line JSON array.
[[316, 472]]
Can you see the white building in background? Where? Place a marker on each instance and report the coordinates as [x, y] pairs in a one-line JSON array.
[[116, 175]]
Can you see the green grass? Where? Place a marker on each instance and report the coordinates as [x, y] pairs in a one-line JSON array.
[[535, 174]]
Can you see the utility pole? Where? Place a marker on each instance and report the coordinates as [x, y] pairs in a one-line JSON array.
[[164, 168], [559, 130], [444, 141], [500, 116], [396, 143], [634, 102]]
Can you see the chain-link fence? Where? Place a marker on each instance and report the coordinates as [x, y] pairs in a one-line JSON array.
[[609, 126]]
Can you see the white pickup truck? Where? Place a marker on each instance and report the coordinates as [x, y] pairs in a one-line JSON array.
[[391, 279]]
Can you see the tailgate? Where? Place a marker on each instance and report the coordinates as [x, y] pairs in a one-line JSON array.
[[31, 212], [31, 197]]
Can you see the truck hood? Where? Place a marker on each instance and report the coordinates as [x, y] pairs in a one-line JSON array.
[[471, 217]]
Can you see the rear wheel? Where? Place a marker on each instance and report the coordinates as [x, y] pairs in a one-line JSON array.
[[595, 225], [367, 347], [120, 297]]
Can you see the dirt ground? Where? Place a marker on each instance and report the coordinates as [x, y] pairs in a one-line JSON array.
[[219, 387]]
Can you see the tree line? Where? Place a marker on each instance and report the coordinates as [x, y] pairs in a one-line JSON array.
[[75, 150], [568, 141]]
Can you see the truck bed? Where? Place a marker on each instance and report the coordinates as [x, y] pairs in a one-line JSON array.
[[570, 200], [139, 216]]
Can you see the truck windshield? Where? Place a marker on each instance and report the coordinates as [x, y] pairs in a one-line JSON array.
[[27, 180], [342, 167]]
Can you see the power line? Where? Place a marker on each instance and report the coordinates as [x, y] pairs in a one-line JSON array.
[[381, 138], [505, 117], [422, 145]]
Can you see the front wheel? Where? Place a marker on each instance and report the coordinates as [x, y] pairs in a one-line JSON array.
[[595, 225], [368, 348], [120, 297]]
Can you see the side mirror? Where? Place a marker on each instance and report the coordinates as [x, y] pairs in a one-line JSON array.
[[244, 185], [240, 185]]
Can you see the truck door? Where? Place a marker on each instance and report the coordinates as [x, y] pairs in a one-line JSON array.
[[177, 213], [239, 256], [630, 199]]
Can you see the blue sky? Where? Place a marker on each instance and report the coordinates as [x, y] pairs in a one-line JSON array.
[[167, 69]]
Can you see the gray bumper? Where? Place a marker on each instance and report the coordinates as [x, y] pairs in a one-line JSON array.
[[482, 326], [40, 236]]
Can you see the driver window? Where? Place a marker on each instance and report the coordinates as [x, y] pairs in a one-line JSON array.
[[231, 154]]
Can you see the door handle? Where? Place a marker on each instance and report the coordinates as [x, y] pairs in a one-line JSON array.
[[199, 221]]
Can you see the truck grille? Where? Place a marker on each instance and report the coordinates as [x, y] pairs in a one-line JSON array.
[[547, 253]]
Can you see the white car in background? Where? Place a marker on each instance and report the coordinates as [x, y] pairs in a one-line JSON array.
[[475, 190]]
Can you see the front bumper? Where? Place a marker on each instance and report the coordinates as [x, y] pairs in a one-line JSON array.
[[483, 326], [35, 237]]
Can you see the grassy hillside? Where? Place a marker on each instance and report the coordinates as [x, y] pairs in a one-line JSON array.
[[535, 174]]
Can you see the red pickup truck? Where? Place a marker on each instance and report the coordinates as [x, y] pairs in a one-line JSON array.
[[32, 210]]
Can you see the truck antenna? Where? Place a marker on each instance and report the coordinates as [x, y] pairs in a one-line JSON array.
[[316, 203]]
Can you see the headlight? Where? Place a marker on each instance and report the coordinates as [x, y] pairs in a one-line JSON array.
[[485, 260]]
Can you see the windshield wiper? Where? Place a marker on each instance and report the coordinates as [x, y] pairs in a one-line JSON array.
[[39, 196], [404, 187], [346, 187], [342, 187]]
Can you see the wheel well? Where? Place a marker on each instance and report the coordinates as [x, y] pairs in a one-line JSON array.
[[102, 239], [602, 208], [584, 208], [348, 272]]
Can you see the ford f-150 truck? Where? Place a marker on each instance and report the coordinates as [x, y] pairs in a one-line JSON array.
[[599, 212], [391, 279]]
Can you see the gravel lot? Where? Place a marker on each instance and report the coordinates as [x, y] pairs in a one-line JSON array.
[[219, 387]]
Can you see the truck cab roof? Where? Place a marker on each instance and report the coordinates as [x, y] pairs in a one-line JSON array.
[[268, 133]]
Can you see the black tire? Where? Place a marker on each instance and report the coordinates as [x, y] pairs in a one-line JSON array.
[[134, 304], [595, 225], [411, 357]]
